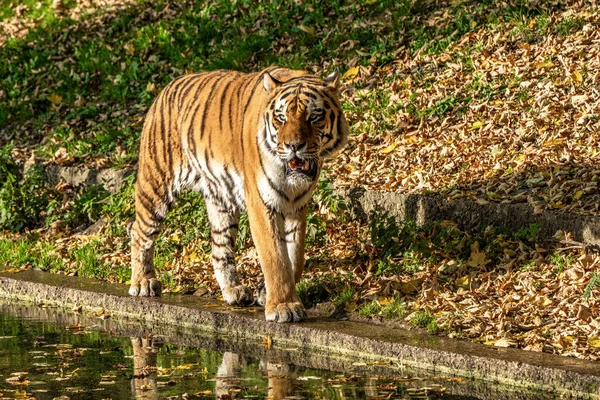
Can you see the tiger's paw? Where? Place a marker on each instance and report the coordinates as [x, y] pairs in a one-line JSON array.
[[147, 287], [285, 312], [238, 295]]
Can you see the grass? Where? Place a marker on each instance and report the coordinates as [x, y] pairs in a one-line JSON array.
[[344, 297], [424, 319], [593, 284], [86, 80], [369, 309]]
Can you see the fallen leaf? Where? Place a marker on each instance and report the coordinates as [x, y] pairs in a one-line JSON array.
[[352, 72], [389, 148]]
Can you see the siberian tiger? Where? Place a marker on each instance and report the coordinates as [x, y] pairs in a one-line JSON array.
[[248, 142]]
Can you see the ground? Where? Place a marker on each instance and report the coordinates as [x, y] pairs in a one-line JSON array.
[[494, 100]]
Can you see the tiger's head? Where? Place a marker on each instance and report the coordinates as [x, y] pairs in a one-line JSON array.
[[304, 123]]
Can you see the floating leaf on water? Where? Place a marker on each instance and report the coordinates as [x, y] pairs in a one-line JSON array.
[[268, 341]]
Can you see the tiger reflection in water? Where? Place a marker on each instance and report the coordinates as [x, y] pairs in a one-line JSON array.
[[145, 361]]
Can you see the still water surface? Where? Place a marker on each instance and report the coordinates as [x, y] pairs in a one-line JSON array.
[[44, 360]]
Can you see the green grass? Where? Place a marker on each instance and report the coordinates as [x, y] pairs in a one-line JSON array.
[[87, 83], [528, 233], [561, 260], [425, 319], [395, 309], [345, 296], [369, 309], [593, 284]]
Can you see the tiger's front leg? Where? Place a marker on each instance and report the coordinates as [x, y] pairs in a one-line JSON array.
[[224, 230], [294, 234], [282, 302]]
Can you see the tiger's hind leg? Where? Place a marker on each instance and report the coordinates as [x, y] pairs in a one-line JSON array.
[[224, 230], [150, 211]]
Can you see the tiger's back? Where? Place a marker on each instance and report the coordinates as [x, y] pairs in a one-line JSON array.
[[213, 133]]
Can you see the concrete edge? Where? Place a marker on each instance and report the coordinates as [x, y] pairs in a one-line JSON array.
[[345, 339], [469, 214]]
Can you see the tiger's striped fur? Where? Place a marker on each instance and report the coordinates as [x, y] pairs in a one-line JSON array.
[[248, 142]]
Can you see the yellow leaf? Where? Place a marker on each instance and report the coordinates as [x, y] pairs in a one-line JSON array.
[[477, 258], [463, 282], [351, 73], [12, 270], [307, 29], [553, 142], [383, 301], [151, 88], [55, 99], [594, 341], [473, 24], [476, 125], [268, 341], [382, 362], [578, 195], [544, 64], [410, 139], [577, 77], [412, 286], [390, 148], [349, 168], [350, 306]]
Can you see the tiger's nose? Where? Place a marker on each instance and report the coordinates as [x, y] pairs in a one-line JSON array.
[[295, 146]]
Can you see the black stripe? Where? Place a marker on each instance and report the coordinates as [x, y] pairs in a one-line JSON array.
[[249, 99], [223, 95], [271, 183], [209, 102], [199, 103], [223, 230], [195, 102], [244, 113], [301, 195], [228, 179], [228, 259], [271, 212], [230, 242], [293, 230], [185, 88]]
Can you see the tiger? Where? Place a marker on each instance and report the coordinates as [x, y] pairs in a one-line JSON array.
[[251, 143]]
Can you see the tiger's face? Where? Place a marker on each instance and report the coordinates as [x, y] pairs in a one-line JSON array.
[[304, 123]]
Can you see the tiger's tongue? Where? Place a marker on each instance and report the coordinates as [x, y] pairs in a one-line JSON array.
[[296, 164]]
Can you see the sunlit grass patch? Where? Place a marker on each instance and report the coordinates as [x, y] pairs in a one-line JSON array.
[[424, 319]]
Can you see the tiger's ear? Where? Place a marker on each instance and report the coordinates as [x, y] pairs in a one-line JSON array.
[[270, 83], [333, 80]]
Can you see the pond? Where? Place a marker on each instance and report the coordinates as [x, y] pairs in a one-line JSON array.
[[49, 353]]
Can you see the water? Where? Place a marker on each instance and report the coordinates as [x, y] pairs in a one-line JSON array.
[[45, 360], [50, 353]]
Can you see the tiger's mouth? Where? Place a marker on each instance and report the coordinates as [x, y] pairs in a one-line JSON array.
[[302, 167]]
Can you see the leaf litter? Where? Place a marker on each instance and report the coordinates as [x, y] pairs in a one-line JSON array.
[[503, 114]]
